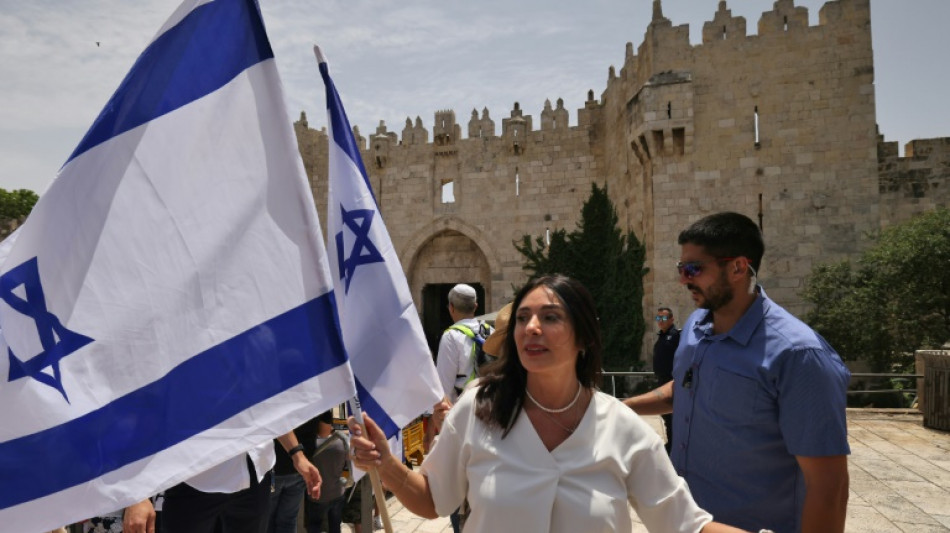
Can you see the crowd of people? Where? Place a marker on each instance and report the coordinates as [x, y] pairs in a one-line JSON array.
[[307, 470], [753, 402]]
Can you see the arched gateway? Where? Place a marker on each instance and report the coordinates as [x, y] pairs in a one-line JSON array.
[[442, 255]]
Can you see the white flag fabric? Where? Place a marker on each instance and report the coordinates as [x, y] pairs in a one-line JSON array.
[[168, 304], [395, 376]]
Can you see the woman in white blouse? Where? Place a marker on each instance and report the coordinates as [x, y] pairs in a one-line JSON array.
[[536, 447]]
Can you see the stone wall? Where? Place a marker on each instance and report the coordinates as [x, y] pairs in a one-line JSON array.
[[779, 126], [915, 183], [522, 181]]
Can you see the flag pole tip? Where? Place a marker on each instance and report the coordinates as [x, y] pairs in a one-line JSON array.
[[319, 53]]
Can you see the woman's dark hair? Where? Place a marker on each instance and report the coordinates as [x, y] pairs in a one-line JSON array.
[[501, 392]]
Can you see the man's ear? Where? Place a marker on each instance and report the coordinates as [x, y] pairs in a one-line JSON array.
[[743, 265]]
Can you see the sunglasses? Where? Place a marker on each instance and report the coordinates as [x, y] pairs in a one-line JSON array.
[[662, 318], [691, 269]]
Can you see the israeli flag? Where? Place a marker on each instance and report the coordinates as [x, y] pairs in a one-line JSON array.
[[395, 376], [168, 305]]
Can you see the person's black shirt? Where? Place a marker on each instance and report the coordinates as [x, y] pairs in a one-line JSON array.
[[306, 435], [663, 351]]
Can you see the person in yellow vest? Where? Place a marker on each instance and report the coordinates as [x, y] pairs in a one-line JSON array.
[[454, 361]]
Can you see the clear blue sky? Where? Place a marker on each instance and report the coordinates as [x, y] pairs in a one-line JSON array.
[[392, 60]]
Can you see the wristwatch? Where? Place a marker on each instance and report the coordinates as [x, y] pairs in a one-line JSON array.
[[295, 449]]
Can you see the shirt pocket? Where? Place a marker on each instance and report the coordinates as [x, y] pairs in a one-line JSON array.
[[738, 399]]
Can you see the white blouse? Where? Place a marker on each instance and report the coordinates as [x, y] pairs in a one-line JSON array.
[[516, 484]]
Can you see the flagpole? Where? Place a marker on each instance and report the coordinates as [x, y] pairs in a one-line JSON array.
[[357, 412], [374, 479]]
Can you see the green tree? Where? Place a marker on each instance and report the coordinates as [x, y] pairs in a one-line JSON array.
[[14, 206], [609, 264], [894, 300], [541, 259]]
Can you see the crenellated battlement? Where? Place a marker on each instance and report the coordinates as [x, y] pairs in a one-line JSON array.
[[785, 17], [415, 134], [779, 125], [481, 128], [665, 47], [924, 167], [724, 26], [917, 182], [554, 119], [446, 132]]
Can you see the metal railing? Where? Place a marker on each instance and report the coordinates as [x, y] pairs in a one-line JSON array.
[[610, 380], [888, 376]]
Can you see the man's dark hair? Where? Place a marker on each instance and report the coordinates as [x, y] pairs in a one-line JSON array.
[[727, 235], [667, 309]]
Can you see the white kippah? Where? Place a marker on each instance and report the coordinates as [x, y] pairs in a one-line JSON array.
[[464, 290]]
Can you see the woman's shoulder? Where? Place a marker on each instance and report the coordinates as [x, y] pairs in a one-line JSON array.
[[465, 405], [613, 409], [468, 394], [461, 418], [607, 401]]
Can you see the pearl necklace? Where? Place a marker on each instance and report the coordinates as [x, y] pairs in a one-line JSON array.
[[565, 428], [560, 410]]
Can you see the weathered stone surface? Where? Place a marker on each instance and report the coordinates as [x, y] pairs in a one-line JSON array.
[[779, 126]]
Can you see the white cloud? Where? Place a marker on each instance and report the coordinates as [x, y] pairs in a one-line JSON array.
[[391, 60]]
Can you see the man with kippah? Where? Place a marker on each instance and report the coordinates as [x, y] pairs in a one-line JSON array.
[[454, 361]]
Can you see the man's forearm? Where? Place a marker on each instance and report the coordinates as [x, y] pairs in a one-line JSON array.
[[824, 513], [288, 440], [659, 401]]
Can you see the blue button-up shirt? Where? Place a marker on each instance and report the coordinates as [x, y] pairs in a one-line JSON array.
[[745, 403]]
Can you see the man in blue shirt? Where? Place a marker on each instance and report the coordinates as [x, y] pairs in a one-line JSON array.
[[758, 398]]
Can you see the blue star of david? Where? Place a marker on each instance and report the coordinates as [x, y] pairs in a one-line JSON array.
[[364, 251], [56, 340]]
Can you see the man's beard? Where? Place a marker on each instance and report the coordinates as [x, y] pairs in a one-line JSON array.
[[716, 296]]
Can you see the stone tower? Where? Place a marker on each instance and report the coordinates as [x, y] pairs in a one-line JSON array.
[[779, 126]]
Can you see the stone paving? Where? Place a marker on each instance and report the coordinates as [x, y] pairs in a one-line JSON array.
[[900, 477]]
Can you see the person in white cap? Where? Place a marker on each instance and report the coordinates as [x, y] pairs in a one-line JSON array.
[[454, 360]]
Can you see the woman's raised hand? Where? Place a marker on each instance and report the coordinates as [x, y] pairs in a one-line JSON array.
[[369, 446]]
